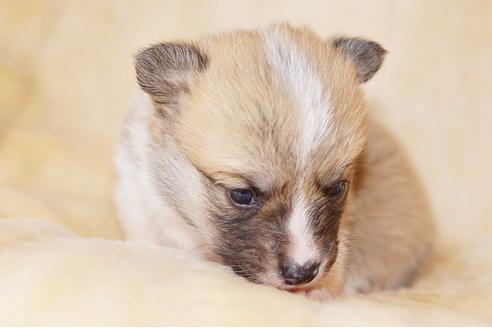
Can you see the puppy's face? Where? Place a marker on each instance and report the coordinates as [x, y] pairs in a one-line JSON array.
[[258, 137]]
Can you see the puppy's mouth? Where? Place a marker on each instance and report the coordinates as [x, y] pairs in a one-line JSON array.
[[298, 288], [301, 288]]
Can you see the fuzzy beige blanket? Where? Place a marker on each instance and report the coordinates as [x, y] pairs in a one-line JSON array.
[[66, 78]]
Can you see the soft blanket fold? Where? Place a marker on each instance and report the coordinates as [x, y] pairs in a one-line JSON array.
[[48, 275]]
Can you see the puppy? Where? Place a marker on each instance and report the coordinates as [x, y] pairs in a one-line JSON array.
[[255, 149]]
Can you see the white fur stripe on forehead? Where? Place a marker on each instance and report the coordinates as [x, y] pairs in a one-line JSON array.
[[303, 83], [302, 248]]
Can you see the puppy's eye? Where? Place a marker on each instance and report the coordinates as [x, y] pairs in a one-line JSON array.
[[337, 189], [242, 197]]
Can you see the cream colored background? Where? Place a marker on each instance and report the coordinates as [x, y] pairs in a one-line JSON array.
[[66, 78]]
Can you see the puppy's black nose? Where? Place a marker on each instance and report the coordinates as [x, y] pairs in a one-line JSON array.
[[295, 274]]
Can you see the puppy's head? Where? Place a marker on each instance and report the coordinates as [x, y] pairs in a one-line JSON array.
[[255, 136]]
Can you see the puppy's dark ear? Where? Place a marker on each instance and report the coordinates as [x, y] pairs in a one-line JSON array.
[[165, 70], [366, 55]]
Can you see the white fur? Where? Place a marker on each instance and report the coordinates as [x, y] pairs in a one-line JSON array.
[[312, 102], [304, 85], [302, 248], [145, 215]]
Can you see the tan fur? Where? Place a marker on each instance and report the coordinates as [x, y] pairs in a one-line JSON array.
[[233, 122], [389, 220], [236, 63]]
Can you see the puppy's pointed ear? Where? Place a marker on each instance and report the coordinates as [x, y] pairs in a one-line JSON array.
[[366, 55], [165, 70]]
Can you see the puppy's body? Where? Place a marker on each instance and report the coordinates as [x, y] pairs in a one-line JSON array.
[[274, 115]]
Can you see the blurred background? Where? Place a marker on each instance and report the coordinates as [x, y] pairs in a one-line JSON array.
[[66, 79]]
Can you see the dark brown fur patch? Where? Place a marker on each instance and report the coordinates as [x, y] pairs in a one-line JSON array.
[[250, 241]]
